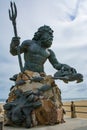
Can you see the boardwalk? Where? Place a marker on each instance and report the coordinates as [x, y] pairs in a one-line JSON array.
[[71, 124]]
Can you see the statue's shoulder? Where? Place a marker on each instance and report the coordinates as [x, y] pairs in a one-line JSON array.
[[27, 42]]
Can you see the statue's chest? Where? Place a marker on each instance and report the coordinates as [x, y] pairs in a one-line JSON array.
[[37, 50]]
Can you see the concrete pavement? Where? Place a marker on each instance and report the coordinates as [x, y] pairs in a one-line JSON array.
[[70, 124]]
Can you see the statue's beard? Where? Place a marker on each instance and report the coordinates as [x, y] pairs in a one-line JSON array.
[[46, 43]]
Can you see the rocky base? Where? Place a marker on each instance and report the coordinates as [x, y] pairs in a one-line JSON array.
[[33, 100]]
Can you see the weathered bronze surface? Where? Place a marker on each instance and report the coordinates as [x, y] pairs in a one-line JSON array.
[[20, 109]]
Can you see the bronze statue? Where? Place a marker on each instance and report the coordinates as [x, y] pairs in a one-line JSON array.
[[36, 51], [32, 86]]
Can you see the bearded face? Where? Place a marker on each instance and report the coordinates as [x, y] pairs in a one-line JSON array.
[[44, 36], [46, 39]]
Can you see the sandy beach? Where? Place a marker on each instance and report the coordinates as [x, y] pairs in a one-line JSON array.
[[67, 108], [80, 107], [79, 123]]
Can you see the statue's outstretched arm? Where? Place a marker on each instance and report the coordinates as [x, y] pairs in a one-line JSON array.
[[65, 72], [58, 66], [53, 60]]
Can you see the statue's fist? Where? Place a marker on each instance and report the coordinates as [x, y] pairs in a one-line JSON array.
[[15, 41]]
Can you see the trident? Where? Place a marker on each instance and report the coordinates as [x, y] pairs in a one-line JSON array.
[[12, 17]]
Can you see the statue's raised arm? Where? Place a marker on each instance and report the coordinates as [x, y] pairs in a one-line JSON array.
[[12, 17]]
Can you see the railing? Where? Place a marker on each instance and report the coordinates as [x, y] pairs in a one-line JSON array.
[[76, 109]]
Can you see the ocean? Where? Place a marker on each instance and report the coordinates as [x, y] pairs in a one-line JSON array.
[[73, 99], [2, 100]]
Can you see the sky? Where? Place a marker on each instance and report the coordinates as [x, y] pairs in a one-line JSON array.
[[68, 19]]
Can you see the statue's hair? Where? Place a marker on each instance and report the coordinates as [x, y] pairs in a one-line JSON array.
[[41, 30]]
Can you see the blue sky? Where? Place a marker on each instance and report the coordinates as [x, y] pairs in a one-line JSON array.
[[68, 19]]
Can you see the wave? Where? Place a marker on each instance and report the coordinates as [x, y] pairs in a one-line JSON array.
[[2, 100]]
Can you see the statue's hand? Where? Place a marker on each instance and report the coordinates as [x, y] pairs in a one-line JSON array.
[[67, 73], [73, 70], [68, 68], [15, 42]]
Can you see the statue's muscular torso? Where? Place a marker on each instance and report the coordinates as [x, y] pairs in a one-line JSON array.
[[34, 56]]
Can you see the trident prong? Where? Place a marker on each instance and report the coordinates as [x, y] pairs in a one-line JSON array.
[[13, 15], [13, 12]]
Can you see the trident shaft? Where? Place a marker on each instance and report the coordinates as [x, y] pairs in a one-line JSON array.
[[12, 17]]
